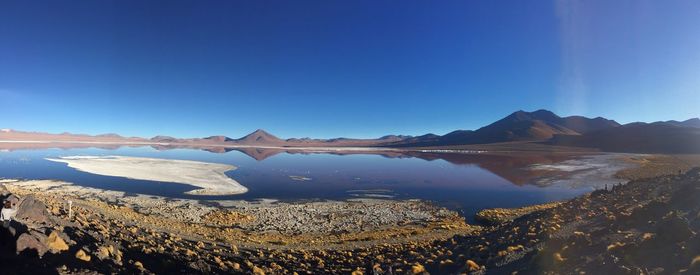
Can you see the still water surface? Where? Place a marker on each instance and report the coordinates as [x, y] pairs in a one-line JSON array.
[[463, 187]]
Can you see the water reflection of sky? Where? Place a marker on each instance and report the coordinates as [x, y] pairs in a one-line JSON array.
[[464, 187]]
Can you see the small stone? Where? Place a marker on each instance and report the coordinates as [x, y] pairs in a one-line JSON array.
[[56, 243], [258, 271], [81, 255], [615, 246], [103, 253], [417, 269], [558, 257], [377, 269], [472, 265], [695, 262], [446, 262]]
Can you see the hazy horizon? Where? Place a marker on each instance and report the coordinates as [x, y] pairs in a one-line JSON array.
[[332, 69], [302, 136]]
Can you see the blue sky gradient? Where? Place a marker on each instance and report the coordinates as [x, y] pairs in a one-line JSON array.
[[340, 68]]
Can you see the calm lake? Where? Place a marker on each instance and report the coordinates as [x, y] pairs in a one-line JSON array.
[[464, 182]]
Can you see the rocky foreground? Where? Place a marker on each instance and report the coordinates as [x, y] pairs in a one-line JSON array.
[[644, 227], [112, 232], [647, 226]]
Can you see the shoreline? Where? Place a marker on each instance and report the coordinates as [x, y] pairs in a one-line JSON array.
[[505, 147], [442, 245], [205, 145], [264, 222]]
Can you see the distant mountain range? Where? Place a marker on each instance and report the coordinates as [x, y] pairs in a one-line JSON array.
[[519, 126], [540, 126]]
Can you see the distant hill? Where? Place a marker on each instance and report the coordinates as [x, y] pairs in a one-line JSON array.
[[344, 142], [693, 122], [110, 135], [163, 139], [8, 134], [218, 139], [583, 125]]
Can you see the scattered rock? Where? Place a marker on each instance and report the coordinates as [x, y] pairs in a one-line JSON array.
[[615, 245], [501, 215], [55, 243], [81, 255], [472, 265], [417, 269], [103, 253], [557, 257], [694, 267]]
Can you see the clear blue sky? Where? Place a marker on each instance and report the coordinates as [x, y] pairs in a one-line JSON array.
[[340, 68]]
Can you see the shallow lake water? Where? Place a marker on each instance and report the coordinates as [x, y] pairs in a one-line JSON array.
[[457, 182]]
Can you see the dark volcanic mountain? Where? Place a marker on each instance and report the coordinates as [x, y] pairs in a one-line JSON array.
[[259, 137], [540, 125], [520, 126]]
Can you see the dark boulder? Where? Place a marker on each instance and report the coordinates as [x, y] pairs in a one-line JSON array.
[[32, 210], [29, 241]]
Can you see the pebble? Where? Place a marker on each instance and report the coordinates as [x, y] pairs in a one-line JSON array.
[[472, 265], [82, 255], [417, 269]]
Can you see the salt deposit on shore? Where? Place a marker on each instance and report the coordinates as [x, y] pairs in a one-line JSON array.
[[595, 171], [209, 177]]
